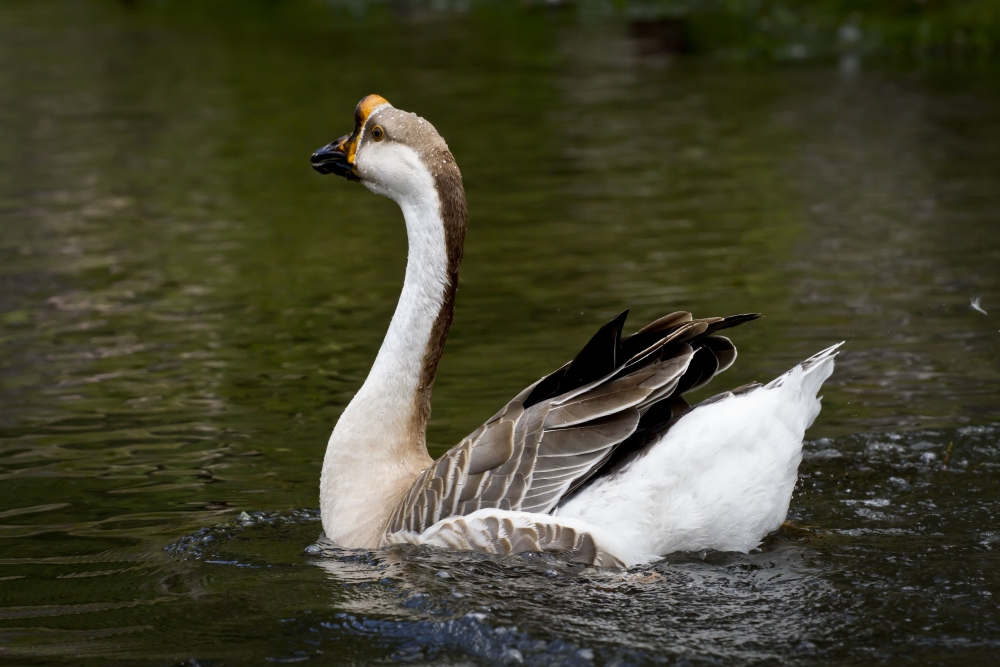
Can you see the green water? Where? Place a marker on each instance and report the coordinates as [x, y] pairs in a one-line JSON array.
[[185, 309]]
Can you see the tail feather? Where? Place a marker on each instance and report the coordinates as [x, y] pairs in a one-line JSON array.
[[815, 370], [821, 357]]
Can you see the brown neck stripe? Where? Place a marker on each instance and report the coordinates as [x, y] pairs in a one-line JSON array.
[[454, 214]]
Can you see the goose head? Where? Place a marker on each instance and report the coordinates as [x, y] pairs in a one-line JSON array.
[[392, 152]]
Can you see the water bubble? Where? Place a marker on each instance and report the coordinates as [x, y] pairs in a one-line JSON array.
[[511, 656], [805, 646]]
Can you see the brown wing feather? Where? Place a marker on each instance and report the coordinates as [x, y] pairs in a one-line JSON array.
[[579, 421]]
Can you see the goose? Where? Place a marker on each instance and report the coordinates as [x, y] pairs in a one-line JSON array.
[[601, 462]]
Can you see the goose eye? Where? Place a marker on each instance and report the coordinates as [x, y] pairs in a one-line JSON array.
[[378, 133]]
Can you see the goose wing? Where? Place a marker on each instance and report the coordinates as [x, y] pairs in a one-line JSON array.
[[557, 433]]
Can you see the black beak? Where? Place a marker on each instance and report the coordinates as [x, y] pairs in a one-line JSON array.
[[332, 159]]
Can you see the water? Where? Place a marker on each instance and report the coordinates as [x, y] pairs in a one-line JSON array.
[[185, 308]]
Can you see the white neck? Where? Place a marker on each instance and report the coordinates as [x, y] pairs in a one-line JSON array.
[[378, 446]]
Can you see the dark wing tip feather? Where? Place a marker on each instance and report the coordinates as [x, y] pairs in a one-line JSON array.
[[732, 321], [703, 367], [608, 350], [652, 333], [723, 349], [598, 357]]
